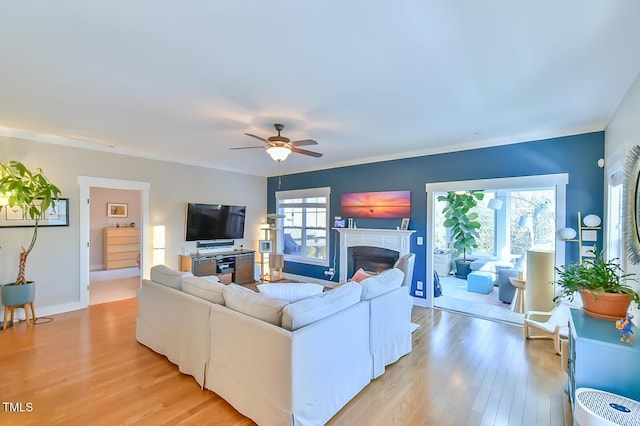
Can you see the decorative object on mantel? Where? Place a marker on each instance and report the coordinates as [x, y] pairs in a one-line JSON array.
[[632, 191], [378, 205], [601, 285], [35, 195], [405, 224]]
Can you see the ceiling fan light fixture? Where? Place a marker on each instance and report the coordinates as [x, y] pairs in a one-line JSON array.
[[278, 153]]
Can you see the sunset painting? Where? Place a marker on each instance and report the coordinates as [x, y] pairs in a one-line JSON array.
[[379, 205]]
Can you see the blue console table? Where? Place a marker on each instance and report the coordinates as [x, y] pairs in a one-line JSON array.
[[599, 360]]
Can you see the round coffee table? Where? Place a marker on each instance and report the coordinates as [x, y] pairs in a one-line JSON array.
[[517, 305]]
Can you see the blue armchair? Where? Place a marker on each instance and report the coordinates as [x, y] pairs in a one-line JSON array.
[[506, 291]]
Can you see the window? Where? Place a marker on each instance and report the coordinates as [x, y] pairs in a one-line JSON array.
[[615, 217], [486, 240], [304, 226], [525, 220]]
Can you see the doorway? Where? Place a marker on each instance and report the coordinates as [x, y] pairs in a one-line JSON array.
[[534, 208], [114, 248], [141, 190], [512, 221]]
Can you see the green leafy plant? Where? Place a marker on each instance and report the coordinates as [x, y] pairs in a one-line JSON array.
[[31, 191], [594, 274], [461, 220]]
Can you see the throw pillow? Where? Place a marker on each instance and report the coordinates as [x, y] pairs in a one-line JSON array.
[[253, 304], [204, 288], [212, 278], [312, 309], [169, 277], [291, 292], [360, 275], [381, 283]]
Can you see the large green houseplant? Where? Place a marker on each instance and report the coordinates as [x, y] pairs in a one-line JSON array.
[[601, 283], [35, 194], [463, 224]]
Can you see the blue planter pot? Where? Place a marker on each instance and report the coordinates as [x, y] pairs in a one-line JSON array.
[[18, 295]]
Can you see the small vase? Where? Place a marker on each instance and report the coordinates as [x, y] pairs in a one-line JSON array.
[[602, 305]]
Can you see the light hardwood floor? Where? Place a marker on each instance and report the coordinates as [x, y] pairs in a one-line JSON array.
[[86, 367]]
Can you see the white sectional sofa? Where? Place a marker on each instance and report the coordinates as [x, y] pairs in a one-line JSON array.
[[277, 363]]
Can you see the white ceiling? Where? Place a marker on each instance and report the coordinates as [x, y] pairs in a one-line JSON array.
[[369, 80]]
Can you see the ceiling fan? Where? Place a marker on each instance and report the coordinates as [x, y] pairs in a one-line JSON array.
[[279, 147]]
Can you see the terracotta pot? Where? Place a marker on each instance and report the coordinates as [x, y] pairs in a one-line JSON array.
[[605, 305]]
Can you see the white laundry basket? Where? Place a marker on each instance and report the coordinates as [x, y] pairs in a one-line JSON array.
[[599, 408]]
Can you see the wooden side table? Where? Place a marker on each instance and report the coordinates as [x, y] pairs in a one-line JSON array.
[[517, 305]]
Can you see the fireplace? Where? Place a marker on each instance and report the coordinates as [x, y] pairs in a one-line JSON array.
[[394, 242], [371, 259]]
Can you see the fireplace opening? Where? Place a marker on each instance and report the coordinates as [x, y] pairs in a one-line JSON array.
[[371, 259]]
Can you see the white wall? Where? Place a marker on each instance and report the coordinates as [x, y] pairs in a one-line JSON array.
[[621, 134], [54, 263]]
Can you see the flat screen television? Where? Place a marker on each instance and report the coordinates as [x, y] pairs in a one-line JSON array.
[[214, 222]]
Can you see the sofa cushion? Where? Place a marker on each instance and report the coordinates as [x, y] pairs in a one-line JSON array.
[[312, 309], [170, 277], [204, 288], [383, 282], [291, 292], [253, 304], [360, 275]]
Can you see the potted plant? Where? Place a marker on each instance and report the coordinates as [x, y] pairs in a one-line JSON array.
[[463, 224], [601, 284], [35, 194]]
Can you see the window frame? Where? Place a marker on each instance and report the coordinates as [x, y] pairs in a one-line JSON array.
[[304, 193]]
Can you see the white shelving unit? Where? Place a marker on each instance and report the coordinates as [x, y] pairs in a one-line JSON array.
[[587, 238], [271, 259]]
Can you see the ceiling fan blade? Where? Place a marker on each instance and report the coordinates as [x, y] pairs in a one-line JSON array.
[[305, 152], [304, 142], [257, 137], [248, 147]]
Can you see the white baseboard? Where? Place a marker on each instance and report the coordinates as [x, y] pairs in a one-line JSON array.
[[49, 310], [419, 301], [114, 274]]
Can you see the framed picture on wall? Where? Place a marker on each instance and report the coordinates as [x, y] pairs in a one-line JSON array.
[[116, 210], [265, 246], [15, 217]]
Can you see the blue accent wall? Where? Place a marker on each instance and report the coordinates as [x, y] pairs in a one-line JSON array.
[[575, 155]]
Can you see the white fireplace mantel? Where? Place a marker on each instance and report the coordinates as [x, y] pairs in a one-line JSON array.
[[392, 239]]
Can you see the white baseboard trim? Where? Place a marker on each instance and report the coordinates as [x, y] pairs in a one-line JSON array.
[[50, 310], [304, 279], [114, 274], [419, 301]]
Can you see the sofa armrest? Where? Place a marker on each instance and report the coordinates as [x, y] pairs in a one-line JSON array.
[[174, 324], [390, 332]]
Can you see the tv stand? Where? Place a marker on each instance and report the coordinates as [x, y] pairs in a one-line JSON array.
[[238, 263]]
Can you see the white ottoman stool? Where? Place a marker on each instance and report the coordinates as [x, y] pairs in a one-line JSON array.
[[595, 408], [480, 282]]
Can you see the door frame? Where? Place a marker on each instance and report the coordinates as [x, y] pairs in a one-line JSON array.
[[86, 183], [558, 181]]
